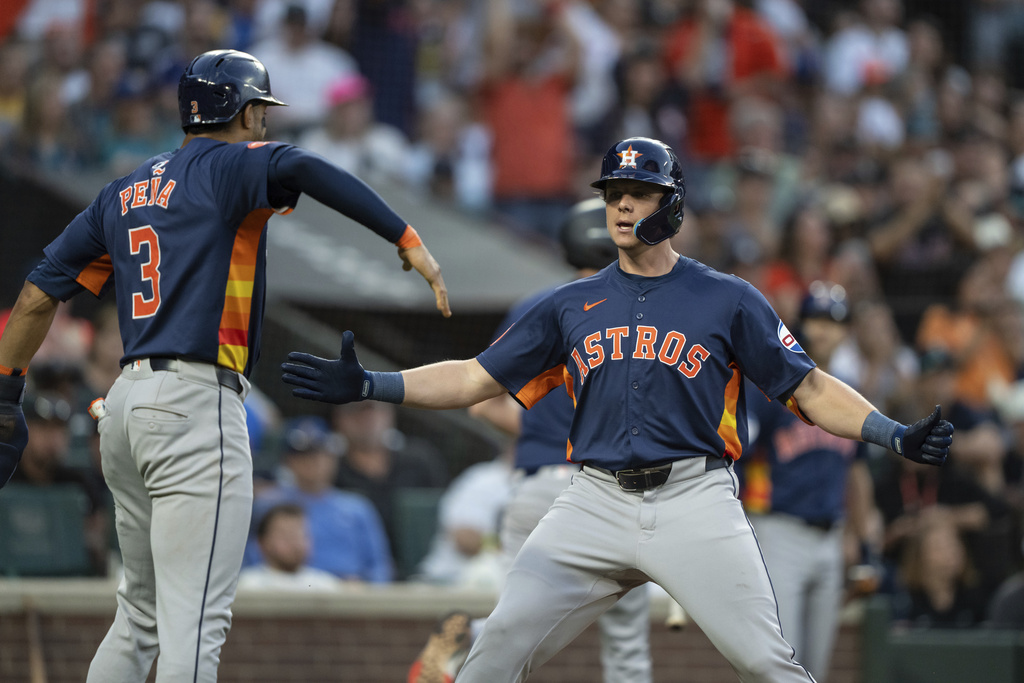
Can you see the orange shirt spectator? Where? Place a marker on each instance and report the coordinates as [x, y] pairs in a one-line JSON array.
[[532, 145], [718, 54]]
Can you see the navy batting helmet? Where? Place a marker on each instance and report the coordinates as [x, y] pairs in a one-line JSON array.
[[218, 84], [649, 161], [825, 300], [585, 239]]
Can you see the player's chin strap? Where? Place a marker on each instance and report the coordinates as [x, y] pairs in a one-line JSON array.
[[926, 441]]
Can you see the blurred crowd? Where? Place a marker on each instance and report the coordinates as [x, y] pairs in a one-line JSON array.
[[876, 145]]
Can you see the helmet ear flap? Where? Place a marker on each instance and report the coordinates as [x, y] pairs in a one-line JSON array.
[[664, 222]]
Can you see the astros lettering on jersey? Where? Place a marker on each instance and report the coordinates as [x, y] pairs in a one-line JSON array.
[[672, 352]]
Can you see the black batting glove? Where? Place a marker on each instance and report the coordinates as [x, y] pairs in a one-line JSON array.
[[330, 381], [926, 441], [13, 428]]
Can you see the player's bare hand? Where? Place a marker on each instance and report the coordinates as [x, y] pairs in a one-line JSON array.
[[420, 258]]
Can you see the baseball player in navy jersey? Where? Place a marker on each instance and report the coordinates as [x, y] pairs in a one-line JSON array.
[[805, 491], [653, 350], [540, 468], [182, 242]]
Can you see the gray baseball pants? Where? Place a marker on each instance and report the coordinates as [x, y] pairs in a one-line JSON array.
[[806, 564], [625, 627], [175, 454], [690, 536]]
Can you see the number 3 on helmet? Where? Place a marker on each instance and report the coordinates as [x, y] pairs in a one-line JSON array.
[[649, 161], [218, 84]]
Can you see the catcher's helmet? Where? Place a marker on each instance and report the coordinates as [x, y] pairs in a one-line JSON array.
[[650, 161], [585, 239], [218, 84]]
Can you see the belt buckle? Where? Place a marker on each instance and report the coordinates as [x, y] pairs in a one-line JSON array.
[[626, 483]]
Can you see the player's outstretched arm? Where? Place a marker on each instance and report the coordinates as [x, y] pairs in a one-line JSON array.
[[451, 384], [295, 170], [838, 409], [27, 327]]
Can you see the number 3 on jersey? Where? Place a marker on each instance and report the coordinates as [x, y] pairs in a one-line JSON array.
[[143, 307]]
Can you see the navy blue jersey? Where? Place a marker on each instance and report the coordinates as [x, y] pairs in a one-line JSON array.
[[654, 364], [807, 466], [544, 432], [182, 240]]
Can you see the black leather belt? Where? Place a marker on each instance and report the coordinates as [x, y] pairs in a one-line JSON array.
[[650, 477], [823, 524], [225, 377]]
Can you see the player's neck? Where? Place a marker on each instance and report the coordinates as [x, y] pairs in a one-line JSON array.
[[648, 261]]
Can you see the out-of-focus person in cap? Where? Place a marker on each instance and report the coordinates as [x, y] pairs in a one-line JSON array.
[[44, 464], [348, 538], [283, 537], [352, 138], [809, 496]]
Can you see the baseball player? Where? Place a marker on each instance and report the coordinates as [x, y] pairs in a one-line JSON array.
[[798, 490], [653, 350], [541, 472], [182, 242]]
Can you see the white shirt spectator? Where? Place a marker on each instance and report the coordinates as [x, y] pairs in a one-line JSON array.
[[301, 77], [851, 53], [264, 578], [474, 500]]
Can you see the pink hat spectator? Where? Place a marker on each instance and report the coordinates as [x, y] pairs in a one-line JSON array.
[[347, 88]]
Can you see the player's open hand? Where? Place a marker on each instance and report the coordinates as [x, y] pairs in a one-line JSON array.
[[13, 428], [926, 441], [419, 257], [331, 381]]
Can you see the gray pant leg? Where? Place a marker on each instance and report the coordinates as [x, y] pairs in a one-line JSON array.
[[625, 627], [189, 441], [806, 566], [129, 648], [564, 577], [698, 545]]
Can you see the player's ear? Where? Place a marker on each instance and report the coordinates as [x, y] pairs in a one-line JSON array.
[[249, 116]]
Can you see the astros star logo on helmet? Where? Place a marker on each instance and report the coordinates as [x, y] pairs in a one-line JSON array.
[[629, 157]]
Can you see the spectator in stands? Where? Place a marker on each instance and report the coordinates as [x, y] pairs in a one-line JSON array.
[[14, 66], [970, 332], [351, 138], [465, 548], [803, 256], [304, 67], [531, 66], [906, 494], [44, 464], [348, 537], [722, 54], [378, 460], [940, 586], [921, 239], [874, 360], [872, 41], [285, 546], [645, 107], [45, 142], [450, 160]]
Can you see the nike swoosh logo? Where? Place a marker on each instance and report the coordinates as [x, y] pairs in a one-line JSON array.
[[587, 306]]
